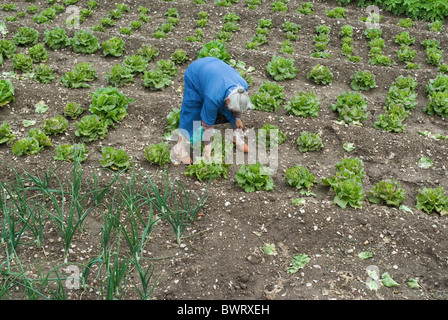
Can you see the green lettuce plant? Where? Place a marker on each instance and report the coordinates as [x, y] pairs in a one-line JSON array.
[[7, 92], [304, 104], [349, 192], [400, 98], [98, 28], [26, 146], [404, 39], [269, 97], [126, 31], [225, 3], [168, 67], [179, 56], [432, 200], [7, 49], [135, 63], [22, 62], [380, 59], [388, 191], [306, 8], [84, 41], [203, 169], [301, 178], [321, 39], [144, 18], [56, 38], [120, 76], [373, 33], [346, 31], [406, 54], [348, 168], [308, 141], [287, 47], [434, 56], [66, 152], [136, 24], [46, 16], [84, 13], [26, 36], [270, 136], [281, 68], [156, 79], [91, 128], [80, 75], [6, 136], [252, 177], [9, 7], [430, 43], [347, 183], [338, 13], [437, 84], [351, 106], [230, 27], [115, 47], [279, 6], [437, 90], [158, 154], [173, 119], [363, 81], [214, 49], [392, 120], [243, 70], [35, 141], [406, 23], [43, 74], [32, 9], [41, 107], [438, 104], [436, 26], [73, 110], [320, 74], [110, 104], [122, 7], [406, 97], [55, 125], [116, 159], [107, 22], [144, 10], [38, 53], [251, 4], [298, 262], [115, 14]]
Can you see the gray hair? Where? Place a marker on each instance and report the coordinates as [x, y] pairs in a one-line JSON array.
[[239, 100]]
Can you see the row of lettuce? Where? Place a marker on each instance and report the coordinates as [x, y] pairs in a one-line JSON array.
[[433, 11]]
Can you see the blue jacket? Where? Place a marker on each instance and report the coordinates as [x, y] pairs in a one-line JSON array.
[[208, 82]]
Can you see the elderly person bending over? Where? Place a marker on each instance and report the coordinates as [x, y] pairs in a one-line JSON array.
[[214, 93]]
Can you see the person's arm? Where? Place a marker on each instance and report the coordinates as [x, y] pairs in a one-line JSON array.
[[238, 122], [207, 133], [208, 115], [207, 137]]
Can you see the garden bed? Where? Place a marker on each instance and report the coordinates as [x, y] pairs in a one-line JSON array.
[[221, 256]]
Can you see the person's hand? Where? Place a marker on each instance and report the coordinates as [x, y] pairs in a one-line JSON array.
[[208, 151], [239, 124]]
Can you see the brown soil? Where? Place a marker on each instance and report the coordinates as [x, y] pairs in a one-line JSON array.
[[223, 259]]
